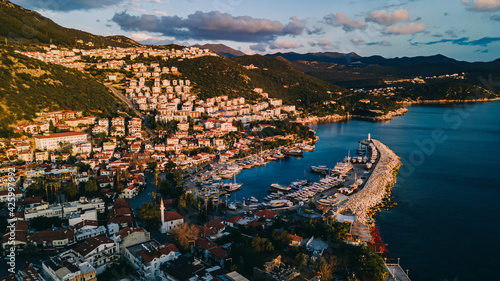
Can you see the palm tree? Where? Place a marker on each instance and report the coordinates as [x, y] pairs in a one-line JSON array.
[[157, 172]]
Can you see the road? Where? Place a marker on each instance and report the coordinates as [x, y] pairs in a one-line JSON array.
[[130, 105]]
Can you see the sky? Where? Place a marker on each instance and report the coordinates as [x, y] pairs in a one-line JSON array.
[[462, 29]]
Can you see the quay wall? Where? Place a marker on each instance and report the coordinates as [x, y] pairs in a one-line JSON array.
[[376, 188]]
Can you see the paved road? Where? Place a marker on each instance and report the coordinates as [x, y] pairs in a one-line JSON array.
[[129, 104]]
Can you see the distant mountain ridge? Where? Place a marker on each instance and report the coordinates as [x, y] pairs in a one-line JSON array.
[[22, 26], [350, 58], [222, 50]]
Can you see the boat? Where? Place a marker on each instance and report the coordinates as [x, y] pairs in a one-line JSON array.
[[369, 165], [308, 147], [278, 155], [361, 149], [279, 203], [323, 169], [280, 187], [232, 206], [253, 199], [230, 187], [293, 152], [271, 158]]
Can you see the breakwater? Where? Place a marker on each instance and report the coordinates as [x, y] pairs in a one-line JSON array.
[[376, 187]]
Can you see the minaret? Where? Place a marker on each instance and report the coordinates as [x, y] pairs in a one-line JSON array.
[[162, 212]]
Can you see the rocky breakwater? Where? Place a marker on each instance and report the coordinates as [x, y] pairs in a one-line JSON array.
[[376, 188]]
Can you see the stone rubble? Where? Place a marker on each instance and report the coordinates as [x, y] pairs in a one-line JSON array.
[[375, 189]]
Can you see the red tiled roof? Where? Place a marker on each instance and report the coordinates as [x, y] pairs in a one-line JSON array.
[[86, 223], [121, 203], [60, 135], [266, 214], [234, 219], [50, 235], [255, 224], [90, 244], [173, 215], [127, 231], [295, 238], [205, 231], [121, 220], [163, 249], [32, 200], [219, 253], [216, 225], [205, 244]]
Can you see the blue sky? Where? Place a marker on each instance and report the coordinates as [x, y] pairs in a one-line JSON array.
[[461, 29]]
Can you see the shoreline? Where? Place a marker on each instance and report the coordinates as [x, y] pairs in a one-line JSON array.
[[364, 203], [336, 118], [425, 102]]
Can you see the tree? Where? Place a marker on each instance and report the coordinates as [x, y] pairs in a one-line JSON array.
[[301, 259], [325, 270], [91, 186], [262, 245], [148, 214], [185, 234], [178, 178], [71, 191], [281, 239]]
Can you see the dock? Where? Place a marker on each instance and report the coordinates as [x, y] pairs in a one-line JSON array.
[[396, 272]]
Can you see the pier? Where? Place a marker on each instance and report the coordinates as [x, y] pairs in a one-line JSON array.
[[383, 176], [396, 272]]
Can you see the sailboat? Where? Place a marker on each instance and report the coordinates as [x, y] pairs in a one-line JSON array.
[[230, 187]]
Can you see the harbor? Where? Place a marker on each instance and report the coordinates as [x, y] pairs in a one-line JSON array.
[[348, 191]]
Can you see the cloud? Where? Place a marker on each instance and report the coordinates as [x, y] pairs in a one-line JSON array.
[[315, 30], [340, 19], [357, 41], [383, 43], [283, 45], [325, 44], [495, 17], [210, 26], [451, 33], [67, 5], [146, 39], [311, 43], [361, 42], [294, 27], [464, 41], [387, 18], [161, 13], [482, 5], [410, 28], [260, 47]]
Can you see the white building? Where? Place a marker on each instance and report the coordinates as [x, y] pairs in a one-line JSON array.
[[169, 220], [52, 141], [148, 256], [68, 266], [101, 252]]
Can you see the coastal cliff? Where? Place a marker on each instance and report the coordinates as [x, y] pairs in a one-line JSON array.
[[376, 187]]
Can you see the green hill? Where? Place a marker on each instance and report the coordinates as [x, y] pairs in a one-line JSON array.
[[213, 76], [19, 26], [28, 86], [446, 90]]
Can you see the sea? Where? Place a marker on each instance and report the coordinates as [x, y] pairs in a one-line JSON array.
[[446, 224]]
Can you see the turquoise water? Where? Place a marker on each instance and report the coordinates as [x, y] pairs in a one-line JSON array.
[[446, 223]]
